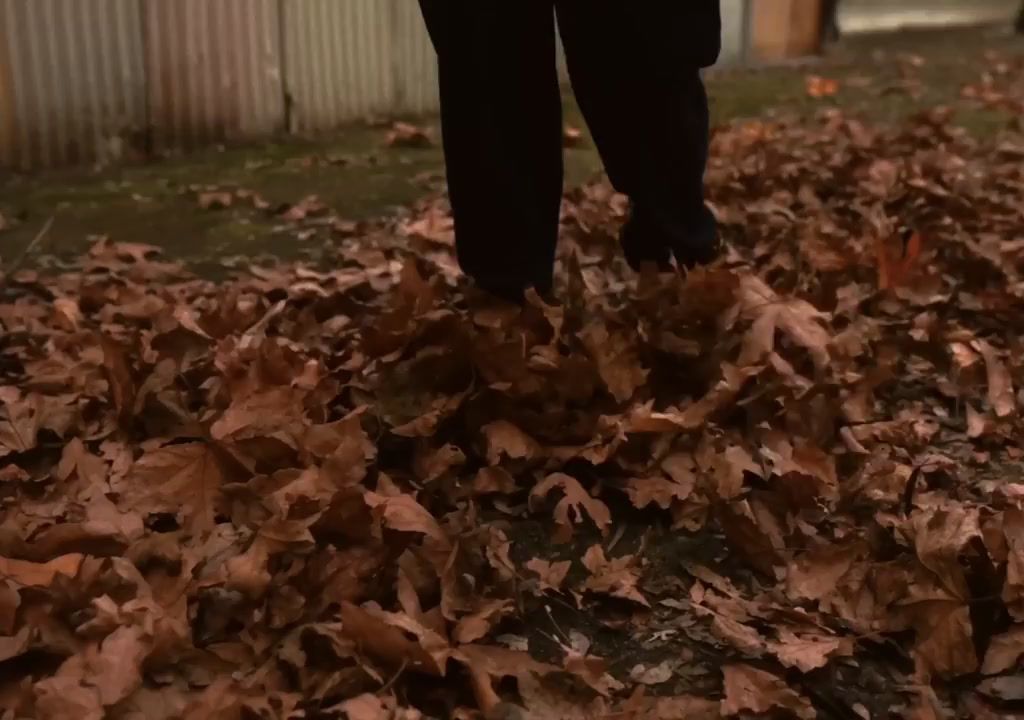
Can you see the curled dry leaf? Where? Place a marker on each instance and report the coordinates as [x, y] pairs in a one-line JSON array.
[[407, 135], [1000, 385], [396, 639]]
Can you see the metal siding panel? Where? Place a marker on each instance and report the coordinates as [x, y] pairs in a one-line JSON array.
[[351, 59], [734, 31], [73, 77], [214, 70], [9, 134], [416, 65]]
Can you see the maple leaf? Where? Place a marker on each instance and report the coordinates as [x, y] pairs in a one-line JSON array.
[[183, 480], [551, 575], [618, 577], [797, 319], [568, 511]]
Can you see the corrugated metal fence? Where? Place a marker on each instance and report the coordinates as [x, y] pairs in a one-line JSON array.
[[94, 80], [84, 80]]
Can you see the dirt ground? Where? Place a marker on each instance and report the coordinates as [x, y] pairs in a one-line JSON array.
[[358, 177]]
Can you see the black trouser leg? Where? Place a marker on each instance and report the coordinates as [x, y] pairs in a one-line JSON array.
[[635, 68], [502, 124]]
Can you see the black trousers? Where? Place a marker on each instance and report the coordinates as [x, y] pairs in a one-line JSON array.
[[634, 66]]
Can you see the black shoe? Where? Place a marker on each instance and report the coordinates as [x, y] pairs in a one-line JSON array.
[[701, 245], [652, 238], [512, 292]]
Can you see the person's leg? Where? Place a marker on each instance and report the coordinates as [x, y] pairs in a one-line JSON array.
[[502, 123], [635, 68]]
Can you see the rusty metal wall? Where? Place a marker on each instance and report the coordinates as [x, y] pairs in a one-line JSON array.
[[213, 69], [72, 80], [415, 63], [340, 60]]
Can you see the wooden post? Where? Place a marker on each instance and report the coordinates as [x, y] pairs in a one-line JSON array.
[[785, 29]]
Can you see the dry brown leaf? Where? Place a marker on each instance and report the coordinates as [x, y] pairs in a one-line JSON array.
[[796, 319], [978, 425], [685, 708], [654, 675], [407, 135], [366, 707], [1000, 385], [617, 360], [493, 480], [396, 639], [819, 87], [403, 513], [544, 702], [116, 668], [748, 689], [939, 537], [477, 625], [1004, 652], [215, 200], [19, 429], [807, 652], [15, 645], [945, 644], [568, 511], [551, 575], [505, 440], [30, 574], [753, 530], [816, 574], [742, 637], [618, 577], [182, 479]]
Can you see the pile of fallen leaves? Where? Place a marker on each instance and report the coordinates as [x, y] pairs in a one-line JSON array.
[[789, 485]]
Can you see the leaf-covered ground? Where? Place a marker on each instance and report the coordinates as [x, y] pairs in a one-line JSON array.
[[790, 485]]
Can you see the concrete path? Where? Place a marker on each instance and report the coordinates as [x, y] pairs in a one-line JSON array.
[[858, 16]]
